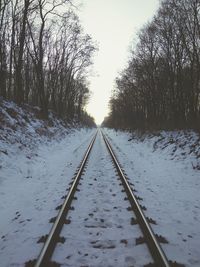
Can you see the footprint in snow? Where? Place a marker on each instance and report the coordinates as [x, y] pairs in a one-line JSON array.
[[17, 216]]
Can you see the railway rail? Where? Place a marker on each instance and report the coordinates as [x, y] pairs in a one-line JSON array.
[[158, 256]]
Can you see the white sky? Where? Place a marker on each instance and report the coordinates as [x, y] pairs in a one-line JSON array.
[[113, 24]]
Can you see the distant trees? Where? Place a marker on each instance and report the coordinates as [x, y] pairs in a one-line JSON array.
[[160, 88], [44, 56]]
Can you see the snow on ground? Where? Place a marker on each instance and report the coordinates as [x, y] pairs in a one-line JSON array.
[[100, 232], [37, 162], [165, 171]]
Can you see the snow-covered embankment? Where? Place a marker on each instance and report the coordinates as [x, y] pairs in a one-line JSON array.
[[37, 161], [165, 171]]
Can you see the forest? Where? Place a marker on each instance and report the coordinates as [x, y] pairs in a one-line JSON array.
[[45, 56], [160, 86]]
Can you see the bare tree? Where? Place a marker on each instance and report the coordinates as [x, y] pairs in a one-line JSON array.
[[44, 56]]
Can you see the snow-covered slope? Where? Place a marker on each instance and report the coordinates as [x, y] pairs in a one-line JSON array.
[[164, 169], [37, 161], [22, 126], [175, 145]]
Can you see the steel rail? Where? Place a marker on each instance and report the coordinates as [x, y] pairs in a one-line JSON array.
[[49, 246], [153, 245]]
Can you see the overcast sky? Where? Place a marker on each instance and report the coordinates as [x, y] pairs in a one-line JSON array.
[[113, 24]]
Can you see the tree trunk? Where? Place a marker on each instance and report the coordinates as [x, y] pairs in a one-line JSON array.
[[19, 80]]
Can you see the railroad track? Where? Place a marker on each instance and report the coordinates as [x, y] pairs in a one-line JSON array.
[[156, 255]]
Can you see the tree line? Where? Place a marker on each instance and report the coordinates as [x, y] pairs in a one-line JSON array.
[[160, 87], [44, 56]]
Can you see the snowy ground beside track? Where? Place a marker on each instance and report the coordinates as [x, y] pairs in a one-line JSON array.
[[31, 189], [37, 161], [164, 170]]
